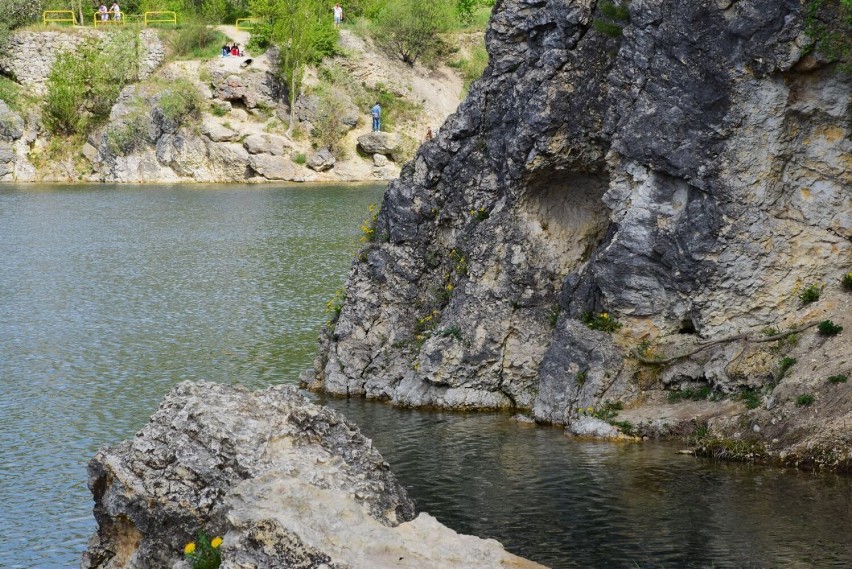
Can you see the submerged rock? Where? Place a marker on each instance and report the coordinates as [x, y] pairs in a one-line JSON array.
[[286, 483]]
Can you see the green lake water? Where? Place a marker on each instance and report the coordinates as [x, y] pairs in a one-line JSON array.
[[111, 295]]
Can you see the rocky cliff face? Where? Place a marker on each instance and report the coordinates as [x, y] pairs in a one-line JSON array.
[[682, 169], [284, 482]]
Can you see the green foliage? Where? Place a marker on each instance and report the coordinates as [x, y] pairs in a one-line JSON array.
[[204, 552], [829, 328], [751, 398], [124, 137], [616, 16], [471, 68], [194, 41], [804, 400], [615, 12], [608, 411], [304, 34], [480, 214], [554, 315], [626, 427], [328, 128], [451, 332], [845, 282], [582, 376], [602, 322], [835, 379], [368, 227], [334, 306], [460, 260], [180, 102], [829, 24], [409, 29], [84, 84], [810, 294], [15, 13], [10, 93], [690, 394], [299, 158], [464, 11], [785, 364]]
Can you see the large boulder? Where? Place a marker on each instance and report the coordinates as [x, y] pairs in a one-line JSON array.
[[274, 167], [266, 144], [286, 483], [321, 160], [385, 143], [217, 132]]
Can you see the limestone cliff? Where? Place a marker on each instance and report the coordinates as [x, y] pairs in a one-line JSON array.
[[682, 169], [284, 482]]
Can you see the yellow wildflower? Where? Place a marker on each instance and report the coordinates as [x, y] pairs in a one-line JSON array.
[[216, 542], [590, 410], [450, 286], [189, 549], [604, 315]]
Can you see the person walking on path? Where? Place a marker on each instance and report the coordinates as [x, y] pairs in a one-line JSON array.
[[376, 111], [338, 15]]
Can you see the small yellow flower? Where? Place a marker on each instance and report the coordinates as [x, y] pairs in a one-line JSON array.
[[590, 410], [216, 542], [579, 410], [604, 315], [450, 286], [189, 549]]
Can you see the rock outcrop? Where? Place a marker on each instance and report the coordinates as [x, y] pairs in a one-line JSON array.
[[673, 174], [286, 483]]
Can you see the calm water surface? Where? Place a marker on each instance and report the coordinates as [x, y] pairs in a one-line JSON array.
[[108, 297]]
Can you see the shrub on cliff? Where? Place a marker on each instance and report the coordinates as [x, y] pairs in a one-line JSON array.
[[14, 14], [408, 29], [180, 102], [84, 84]]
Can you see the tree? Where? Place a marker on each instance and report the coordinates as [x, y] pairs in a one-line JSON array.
[[304, 33], [408, 29]]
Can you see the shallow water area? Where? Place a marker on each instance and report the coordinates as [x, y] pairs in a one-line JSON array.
[[111, 295]]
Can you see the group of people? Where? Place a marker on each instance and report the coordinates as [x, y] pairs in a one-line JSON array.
[[114, 10], [232, 50]]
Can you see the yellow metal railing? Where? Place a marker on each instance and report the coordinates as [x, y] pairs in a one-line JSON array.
[[108, 18], [58, 17], [245, 24], [160, 18]]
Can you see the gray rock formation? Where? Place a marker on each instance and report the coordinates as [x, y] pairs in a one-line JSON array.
[[685, 177], [321, 160], [384, 143], [286, 483], [266, 144]]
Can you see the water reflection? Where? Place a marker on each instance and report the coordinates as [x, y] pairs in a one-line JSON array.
[[571, 504]]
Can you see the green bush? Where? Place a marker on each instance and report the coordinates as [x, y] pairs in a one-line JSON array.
[[750, 397], [299, 158], [840, 378], [602, 321], [810, 294], [846, 281], [829, 328], [785, 364], [180, 102], [84, 84], [690, 394], [124, 137], [804, 400], [194, 40]]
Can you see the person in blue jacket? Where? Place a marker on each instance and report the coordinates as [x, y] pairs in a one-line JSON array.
[[376, 111]]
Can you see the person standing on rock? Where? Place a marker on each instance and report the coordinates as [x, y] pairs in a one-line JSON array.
[[376, 111], [338, 15]]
